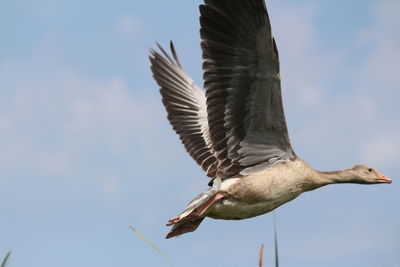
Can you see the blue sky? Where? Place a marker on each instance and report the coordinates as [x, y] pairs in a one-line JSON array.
[[86, 149]]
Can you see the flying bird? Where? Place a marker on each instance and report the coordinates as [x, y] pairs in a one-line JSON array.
[[236, 129]]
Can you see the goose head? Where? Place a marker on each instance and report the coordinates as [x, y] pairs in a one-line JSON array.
[[363, 174]]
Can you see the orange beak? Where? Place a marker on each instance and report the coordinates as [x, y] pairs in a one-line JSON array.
[[383, 179]]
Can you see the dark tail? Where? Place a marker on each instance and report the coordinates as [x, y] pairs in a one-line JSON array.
[[184, 226]]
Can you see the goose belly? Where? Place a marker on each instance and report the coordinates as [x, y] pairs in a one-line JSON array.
[[232, 210], [258, 193]]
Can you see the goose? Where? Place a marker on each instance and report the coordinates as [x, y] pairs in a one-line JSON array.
[[236, 129]]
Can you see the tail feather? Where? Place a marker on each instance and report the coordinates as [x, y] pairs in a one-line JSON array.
[[184, 226], [191, 217]]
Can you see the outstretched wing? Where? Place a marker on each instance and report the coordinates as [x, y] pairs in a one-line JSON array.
[[246, 120], [186, 107]]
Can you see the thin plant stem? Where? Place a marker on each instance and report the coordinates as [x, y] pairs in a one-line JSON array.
[[156, 249], [4, 262], [260, 262], [276, 242]]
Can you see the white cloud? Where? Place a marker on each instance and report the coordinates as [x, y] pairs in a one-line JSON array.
[[52, 117], [345, 240], [379, 74], [383, 149], [378, 77], [111, 187], [305, 65], [128, 26], [343, 124]]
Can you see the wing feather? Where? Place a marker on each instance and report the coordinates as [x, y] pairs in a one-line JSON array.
[[186, 107], [246, 120]]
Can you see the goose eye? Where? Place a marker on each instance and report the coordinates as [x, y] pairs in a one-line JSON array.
[[370, 169]]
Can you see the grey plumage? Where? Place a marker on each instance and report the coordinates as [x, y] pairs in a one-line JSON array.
[[186, 107], [238, 127]]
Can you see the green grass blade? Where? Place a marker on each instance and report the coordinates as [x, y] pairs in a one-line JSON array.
[[276, 242], [156, 249], [4, 263]]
